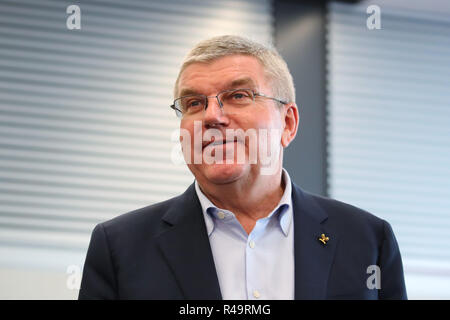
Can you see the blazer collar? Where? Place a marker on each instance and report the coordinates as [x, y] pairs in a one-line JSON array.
[[185, 245]]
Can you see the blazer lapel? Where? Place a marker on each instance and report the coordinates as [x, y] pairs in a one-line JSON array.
[[313, 259], [185, 245]]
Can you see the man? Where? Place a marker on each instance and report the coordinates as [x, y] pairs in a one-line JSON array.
[[242, 230]]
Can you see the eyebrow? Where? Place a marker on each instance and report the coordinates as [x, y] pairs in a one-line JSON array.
[[187, 92], [246, 81]]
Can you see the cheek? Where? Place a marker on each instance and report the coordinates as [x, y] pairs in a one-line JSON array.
[[267, 126], [256, 118], [188, 129], [263, 118], [185, 132], [270, 126], [191, 141], [186, 135]]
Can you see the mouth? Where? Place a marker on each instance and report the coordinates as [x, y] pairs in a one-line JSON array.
[[218, 142]]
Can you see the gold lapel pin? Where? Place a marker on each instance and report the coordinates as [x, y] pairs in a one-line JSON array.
[[324, 239]]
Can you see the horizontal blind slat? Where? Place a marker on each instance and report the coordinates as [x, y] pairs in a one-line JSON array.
[[85, 125], [388, 124]]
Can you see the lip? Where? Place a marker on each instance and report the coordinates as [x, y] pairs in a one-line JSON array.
[[218, 142]]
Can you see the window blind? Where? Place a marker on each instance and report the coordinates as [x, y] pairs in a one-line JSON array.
[[85, 123], [389, 131]]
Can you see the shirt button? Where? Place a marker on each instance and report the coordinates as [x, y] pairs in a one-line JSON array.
[[252, 244], [256, 294], [221, 215]]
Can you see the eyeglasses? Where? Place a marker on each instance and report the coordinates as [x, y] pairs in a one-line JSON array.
[[229, 100]]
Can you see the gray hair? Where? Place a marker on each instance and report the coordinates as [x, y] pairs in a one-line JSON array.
[[275, 67]]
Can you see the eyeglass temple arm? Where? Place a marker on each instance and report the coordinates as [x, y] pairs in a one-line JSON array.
[[263, 95]]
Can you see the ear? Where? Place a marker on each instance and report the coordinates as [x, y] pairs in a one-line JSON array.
[[291, 122]]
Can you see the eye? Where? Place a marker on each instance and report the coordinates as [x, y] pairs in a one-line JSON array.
[[240, 96], [194, 103]]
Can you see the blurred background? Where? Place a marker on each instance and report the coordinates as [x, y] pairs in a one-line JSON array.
[[86, 132]]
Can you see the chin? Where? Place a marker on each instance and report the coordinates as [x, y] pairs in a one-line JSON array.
[[223, 173]]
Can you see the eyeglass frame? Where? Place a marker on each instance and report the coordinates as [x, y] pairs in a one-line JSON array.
[[180, 114]]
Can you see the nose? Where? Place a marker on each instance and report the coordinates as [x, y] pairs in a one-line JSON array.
[[214, 114]]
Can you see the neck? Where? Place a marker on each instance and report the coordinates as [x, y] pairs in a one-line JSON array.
[[250, 198]]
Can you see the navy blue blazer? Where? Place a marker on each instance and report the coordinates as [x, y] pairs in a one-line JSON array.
[[162, 252]]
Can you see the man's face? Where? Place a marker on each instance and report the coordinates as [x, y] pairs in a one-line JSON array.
[[263, 115]]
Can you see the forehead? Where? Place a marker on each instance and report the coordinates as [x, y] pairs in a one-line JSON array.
[[222, 74]]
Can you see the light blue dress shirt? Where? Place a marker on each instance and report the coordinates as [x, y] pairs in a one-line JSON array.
[[259, 265]]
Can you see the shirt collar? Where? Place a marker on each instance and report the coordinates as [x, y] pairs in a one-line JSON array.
[[284, 207]]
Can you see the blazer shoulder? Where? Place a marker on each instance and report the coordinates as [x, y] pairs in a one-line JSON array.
[[148, 218], [343, 208], [349, 217]]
